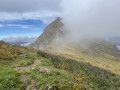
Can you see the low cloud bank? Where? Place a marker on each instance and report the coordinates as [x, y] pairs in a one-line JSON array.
[[88, 18], [20, 40]]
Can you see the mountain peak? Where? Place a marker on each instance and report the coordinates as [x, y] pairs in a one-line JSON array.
[[51, 32]]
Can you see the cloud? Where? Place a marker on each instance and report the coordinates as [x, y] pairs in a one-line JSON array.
[[22, 6], [20, 26], [20, 40], [45, 16], [1, 37], [1, 25], [14, 25], [27, 27], [91, 17], [29, 9]]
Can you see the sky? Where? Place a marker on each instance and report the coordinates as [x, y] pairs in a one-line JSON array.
[[91, 18], [21, 28], [21, 18]]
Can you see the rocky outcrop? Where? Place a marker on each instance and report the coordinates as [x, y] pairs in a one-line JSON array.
[[51, 32], [45, 70]]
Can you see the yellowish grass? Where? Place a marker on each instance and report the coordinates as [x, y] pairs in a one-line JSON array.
[[105, 61]]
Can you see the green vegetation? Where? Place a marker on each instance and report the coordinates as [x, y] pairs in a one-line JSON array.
[[66, 74], [10, 79], [10, 52], [58, 78], [98, 79], [9, 58], [98, 52]]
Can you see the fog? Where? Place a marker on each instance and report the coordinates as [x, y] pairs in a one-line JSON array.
[[88, 18], [20, 40]]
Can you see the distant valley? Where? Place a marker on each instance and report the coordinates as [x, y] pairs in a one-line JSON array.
[[20, 41]]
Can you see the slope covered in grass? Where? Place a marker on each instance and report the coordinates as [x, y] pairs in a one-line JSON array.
[[11, 79], [96, 78], [101, 55], [9, 58], [10, 52], [65, 74]]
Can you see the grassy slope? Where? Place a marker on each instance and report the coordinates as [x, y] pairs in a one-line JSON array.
[[59, 78], [101, 54], [96, 78], [10, 79], [66, 74]]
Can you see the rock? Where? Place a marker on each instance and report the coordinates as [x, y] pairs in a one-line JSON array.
[[33, 68], [45, 70], [24, 55], [53, 32], [52, 88]]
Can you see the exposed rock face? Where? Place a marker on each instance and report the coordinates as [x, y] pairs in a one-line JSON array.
[[54, 39], [50, 33]]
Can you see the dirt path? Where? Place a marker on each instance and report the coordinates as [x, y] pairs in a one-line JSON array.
[[32, 85], [27, 68], [24, 78]]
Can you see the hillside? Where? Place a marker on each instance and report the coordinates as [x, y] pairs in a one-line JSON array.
[[27, 69], [96, 51], [51, 31], [24, 69], [10, 52]]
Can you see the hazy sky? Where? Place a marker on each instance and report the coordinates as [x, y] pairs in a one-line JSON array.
[[26, 17], [92, 17], [81, 17], [29, 9]]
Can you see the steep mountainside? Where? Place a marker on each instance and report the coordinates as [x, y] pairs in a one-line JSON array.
[[51, 32], [96, 51], [54, 35]]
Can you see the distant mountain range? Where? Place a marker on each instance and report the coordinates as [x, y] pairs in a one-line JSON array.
[[115, 41], [21, 41]]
